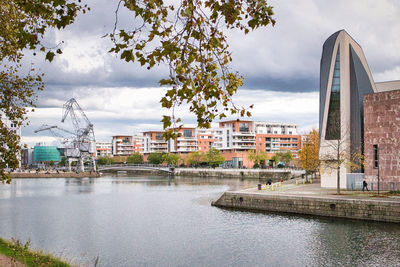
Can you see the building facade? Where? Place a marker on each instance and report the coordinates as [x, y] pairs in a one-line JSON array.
[[122, 145], [153, 141], [185, 143], [138, 144], [43, 154], [345, 79], [104, 149], [206, 138], [234, 138], [382, 139]]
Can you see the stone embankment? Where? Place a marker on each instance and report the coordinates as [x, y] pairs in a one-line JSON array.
[[239, 173], [274, 174], [343, 206], [55, 175]]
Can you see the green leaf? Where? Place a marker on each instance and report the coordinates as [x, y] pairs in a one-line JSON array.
[[50, 56]]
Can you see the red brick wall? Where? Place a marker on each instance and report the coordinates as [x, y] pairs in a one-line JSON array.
[[382, 128]]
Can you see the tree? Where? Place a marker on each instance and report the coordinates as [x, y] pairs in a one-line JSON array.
[[258, 157], [195, 159], [284, 157], [22, 26], [62, 161], [155, 158], [171, 159], [187, 36], [309, 153], [105, 160], [214, 157], [287, 157], [337, 150], [135, 158]]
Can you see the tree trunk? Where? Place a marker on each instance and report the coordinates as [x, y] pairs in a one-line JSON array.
[[338, 167]]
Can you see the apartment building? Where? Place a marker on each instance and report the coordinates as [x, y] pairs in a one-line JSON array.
[[153, 141], [236, 137], [274, 137], [104, 149], [122, 145], [186, 142]]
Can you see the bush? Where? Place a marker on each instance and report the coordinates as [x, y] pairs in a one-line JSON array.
[[105, 160], [155, 158], [136, 158], [171, 159]]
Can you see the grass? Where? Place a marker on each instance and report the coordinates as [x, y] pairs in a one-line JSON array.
[[18, 251]]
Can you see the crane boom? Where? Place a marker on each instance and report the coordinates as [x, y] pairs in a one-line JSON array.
[[81, 144]]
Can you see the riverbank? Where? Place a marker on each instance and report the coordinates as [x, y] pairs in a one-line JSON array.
[[310, 199], [54, 175], [14, 253], [275, 174]]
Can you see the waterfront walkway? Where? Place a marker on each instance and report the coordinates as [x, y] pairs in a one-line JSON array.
[[289, 188]]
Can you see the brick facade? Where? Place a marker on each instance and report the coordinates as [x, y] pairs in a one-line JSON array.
[[382, 128]]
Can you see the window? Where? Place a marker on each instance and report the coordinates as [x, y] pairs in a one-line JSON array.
[[376, 156], [243, 127], [159, 136], [333, 123], [187, 133]]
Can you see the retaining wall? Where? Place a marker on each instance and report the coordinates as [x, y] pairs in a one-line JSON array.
[[234, 173], [374, 210]]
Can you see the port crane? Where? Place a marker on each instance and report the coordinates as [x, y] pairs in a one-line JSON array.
[[80, 143]]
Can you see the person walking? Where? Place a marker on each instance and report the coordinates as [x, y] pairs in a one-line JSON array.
[[365, 185]]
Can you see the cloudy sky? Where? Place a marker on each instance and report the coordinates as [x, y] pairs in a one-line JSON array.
[[280, 65]]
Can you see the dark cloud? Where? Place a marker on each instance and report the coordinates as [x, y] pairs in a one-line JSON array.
[[283, 59], [306, 84]]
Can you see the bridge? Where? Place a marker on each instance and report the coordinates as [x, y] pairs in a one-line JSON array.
[[134, 167]]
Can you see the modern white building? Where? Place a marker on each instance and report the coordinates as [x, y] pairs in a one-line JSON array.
[[345, 79]]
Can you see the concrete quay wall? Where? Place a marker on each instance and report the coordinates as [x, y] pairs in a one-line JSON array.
[[361, 209]]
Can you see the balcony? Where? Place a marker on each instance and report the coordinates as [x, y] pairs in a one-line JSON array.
[[124, 144], [187, 150], [187, 144], [182, 138], [244, 140], [244, 134], [158, 141], [243, 147]]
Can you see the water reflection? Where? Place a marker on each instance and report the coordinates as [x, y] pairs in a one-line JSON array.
[[156, 221]]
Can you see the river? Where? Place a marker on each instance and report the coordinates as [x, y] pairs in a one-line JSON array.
[[156, 221]]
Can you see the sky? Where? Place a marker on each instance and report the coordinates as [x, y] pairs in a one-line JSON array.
[[280, 66]]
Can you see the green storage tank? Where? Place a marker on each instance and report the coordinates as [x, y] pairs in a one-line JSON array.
[[46, 153]]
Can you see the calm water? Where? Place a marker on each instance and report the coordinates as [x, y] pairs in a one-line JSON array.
[[150, 221]]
